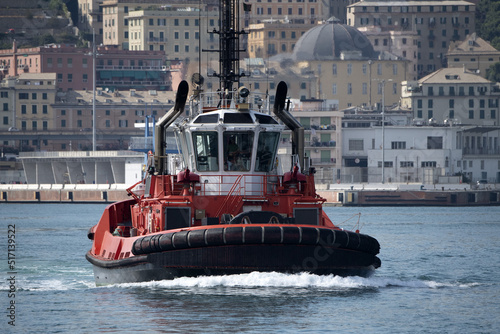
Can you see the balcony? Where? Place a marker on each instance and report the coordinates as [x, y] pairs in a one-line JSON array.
[[133, 68], [323, 161], [318, 144]]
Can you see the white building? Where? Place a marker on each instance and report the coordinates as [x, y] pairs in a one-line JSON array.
[[424, 154]]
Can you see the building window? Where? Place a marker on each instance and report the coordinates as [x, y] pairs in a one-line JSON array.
[[44, 109], [349, 69], [428, 164], [386, 164], [398, 145], [471, 114], [334, 69], [334, 89], [434, 143], [349, 88], [355, 144], [34, 109], [406, 164]]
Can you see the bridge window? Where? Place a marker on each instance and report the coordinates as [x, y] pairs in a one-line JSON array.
[[206, 150], [237, 150], [266, 151]]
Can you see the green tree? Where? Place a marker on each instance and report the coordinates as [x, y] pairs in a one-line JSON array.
[[493, 72], [45, 39], [488, 21]]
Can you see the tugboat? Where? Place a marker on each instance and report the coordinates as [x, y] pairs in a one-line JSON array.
[[228, 210]]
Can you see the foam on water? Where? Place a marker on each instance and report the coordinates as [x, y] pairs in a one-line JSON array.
[[243, 281], [302, 280]]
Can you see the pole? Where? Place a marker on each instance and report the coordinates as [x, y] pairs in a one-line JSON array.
[[93, 92], [383, 131]]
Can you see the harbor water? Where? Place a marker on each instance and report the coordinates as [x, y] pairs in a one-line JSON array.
[[440, 274]]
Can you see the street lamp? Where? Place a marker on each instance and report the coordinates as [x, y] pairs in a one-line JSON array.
[[383, 128]]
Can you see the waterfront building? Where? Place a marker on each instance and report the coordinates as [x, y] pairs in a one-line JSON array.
[[322, 135], [427, 154]]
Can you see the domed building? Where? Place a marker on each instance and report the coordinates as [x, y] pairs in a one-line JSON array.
[[329, 41], [337, 62]]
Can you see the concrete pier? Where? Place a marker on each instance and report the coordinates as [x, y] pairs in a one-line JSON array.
[[59, 193]]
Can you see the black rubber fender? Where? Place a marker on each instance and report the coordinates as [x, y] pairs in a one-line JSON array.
[[236, 235], [196, 238], [233, 235], [291, 234], [253, 234], [309, 235], [179, 240]]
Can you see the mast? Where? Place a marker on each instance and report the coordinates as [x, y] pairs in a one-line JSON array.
[[229, 45]]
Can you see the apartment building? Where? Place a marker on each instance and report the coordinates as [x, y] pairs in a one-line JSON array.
[[175, 30], [270, 38], [473, 53], [34, 94], [90, 18], [453, 95], [298, 12], [115, 68], [436, 24]]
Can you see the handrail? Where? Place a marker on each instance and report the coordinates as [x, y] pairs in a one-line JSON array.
[[229, 195]]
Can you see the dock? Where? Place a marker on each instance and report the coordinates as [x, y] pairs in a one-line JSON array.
[[335, 194]]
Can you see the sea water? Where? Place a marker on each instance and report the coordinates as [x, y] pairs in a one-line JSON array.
[[440, 274]]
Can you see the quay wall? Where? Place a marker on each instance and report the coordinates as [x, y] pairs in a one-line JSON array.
[[342, 195], [57, 193]]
